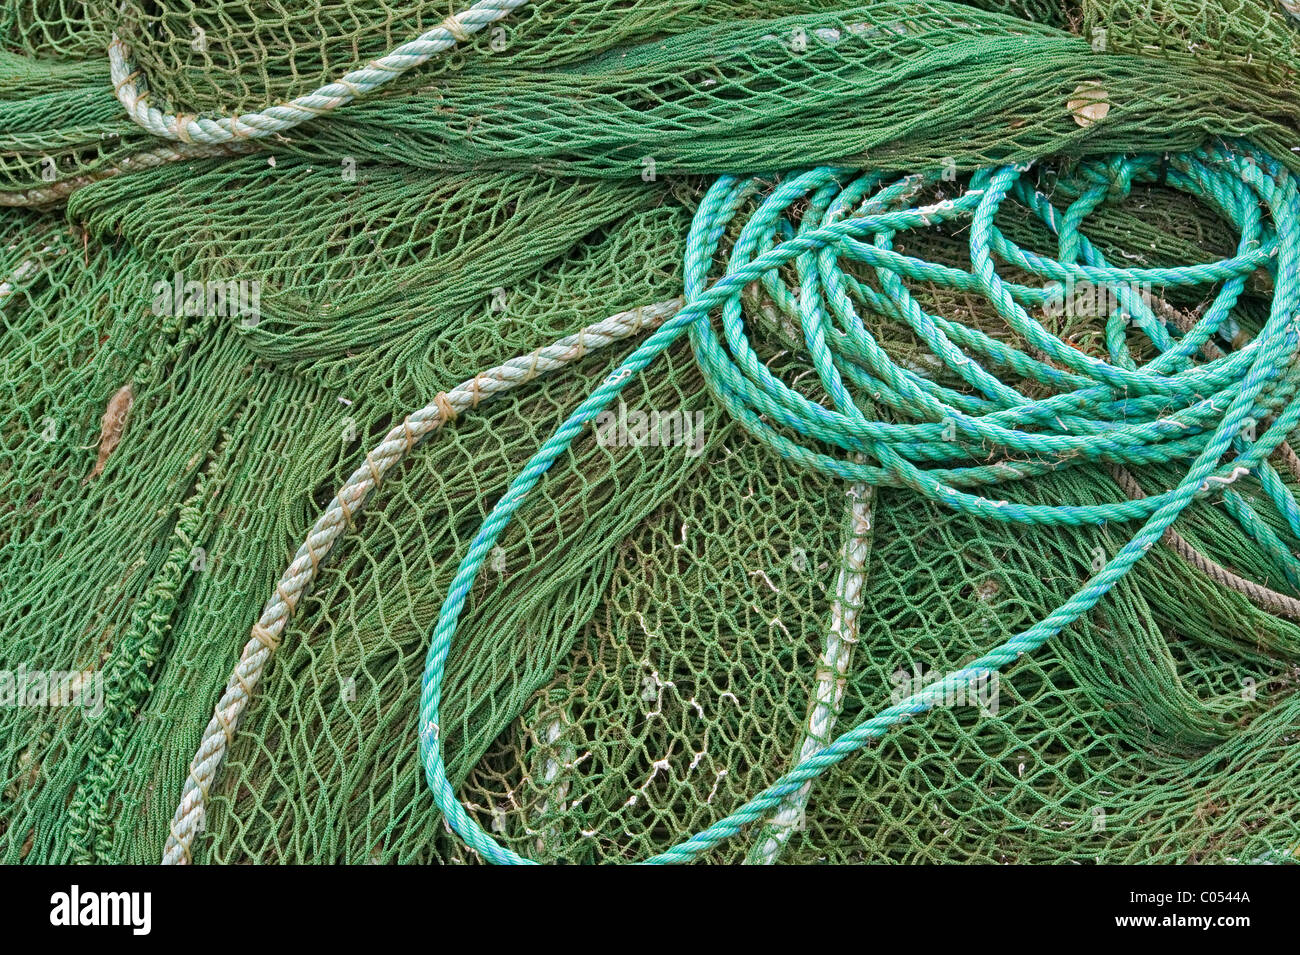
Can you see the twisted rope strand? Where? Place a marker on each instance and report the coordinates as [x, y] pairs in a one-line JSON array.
[[832, 674], [1263, 597], [146, 159], [187, 822], [200, 137], [133, 94]]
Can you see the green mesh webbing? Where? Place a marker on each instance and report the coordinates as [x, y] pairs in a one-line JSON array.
[[647, 651]]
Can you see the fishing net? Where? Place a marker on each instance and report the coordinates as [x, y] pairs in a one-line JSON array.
[[214, 338]]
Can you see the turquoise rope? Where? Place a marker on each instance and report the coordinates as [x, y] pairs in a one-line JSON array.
[[1170, 410]]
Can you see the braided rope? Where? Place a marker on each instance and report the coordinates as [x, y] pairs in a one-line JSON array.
[[1169, 410], [201, 138], [132, 92], [22, 270], [297, 578]]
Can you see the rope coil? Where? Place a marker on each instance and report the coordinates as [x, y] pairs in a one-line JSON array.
[[1111, 411]]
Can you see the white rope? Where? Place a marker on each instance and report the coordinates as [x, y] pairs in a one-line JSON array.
[[33, 262], [277, 119], [187, 822], [201, 137], [555, 785], [23, 269], [832, 674]]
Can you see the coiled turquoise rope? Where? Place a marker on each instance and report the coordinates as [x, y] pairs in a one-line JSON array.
[[1109, 411]]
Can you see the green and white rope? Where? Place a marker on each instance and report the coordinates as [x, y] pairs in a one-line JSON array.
[[203, 137], [298, 577], [832, 671], [132, 92]]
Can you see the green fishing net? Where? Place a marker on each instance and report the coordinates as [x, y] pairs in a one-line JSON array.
[[659, 629]]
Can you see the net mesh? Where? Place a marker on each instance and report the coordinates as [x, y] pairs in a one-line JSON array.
[[643, 651]]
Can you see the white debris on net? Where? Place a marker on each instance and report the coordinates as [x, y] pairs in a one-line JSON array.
[[659, 765], [716, 782]]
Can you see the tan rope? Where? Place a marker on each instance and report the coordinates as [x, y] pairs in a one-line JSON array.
[[188, 820], [1270, 600]]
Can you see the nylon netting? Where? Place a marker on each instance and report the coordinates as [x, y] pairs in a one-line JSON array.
[[646, 646]]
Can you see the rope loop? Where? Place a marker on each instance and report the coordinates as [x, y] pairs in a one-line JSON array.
[[981, 411]]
